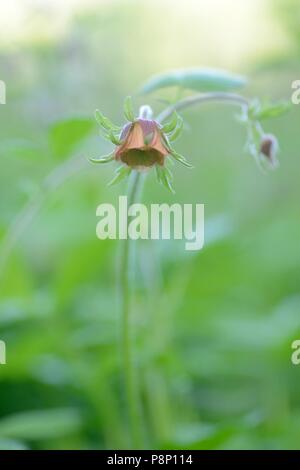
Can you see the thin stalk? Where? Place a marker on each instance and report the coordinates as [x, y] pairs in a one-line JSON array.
[[130, 378], [200, 99]]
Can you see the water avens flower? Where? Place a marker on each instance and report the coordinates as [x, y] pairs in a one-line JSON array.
[[142, 143]]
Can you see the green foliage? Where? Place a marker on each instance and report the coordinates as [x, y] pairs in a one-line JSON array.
[[260, 112], [213, 328], [40, 424], [66, 135], [201, 80], [9, 444]]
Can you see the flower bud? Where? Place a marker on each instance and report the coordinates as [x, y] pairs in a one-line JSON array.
[[269, 148]]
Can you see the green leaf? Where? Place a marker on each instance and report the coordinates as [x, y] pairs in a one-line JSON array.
[[128, 109], [201, 80], [267, 111], [104, 159], [40, 424], [171, 125], [121, 173], [20, 148], [105, 122], [66, 135]]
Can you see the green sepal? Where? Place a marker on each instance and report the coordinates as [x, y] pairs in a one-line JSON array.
[[110, 135], [177, 130], [158, 177], [171, 125], [114, 140], [121, 173], [180, 158], [164, 177], [104, 159], [168, 173], [128, 109], [105, 122]]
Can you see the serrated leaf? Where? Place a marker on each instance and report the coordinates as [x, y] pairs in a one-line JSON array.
[[201, 80], [121, 173], [104, 122], [66, 135], [128, 109], [104, 159]]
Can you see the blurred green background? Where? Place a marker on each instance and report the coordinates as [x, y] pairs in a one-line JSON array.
[[214, 328]]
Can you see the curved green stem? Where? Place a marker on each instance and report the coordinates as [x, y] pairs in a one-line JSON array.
[[130, 379], [200, 99]]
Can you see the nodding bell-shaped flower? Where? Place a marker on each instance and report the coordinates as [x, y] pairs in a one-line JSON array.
[[142, 143]]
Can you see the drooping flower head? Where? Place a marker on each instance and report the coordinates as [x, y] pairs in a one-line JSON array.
[[142, 143], [269, 149], [262, 146]]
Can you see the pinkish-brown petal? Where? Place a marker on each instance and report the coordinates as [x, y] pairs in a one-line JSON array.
[[148, 126], [157, 143], [134, 140], [125, 131]]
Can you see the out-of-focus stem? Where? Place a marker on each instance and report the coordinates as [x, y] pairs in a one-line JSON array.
[[131, 383], [52, 181], [129, 372], [201, 99]]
